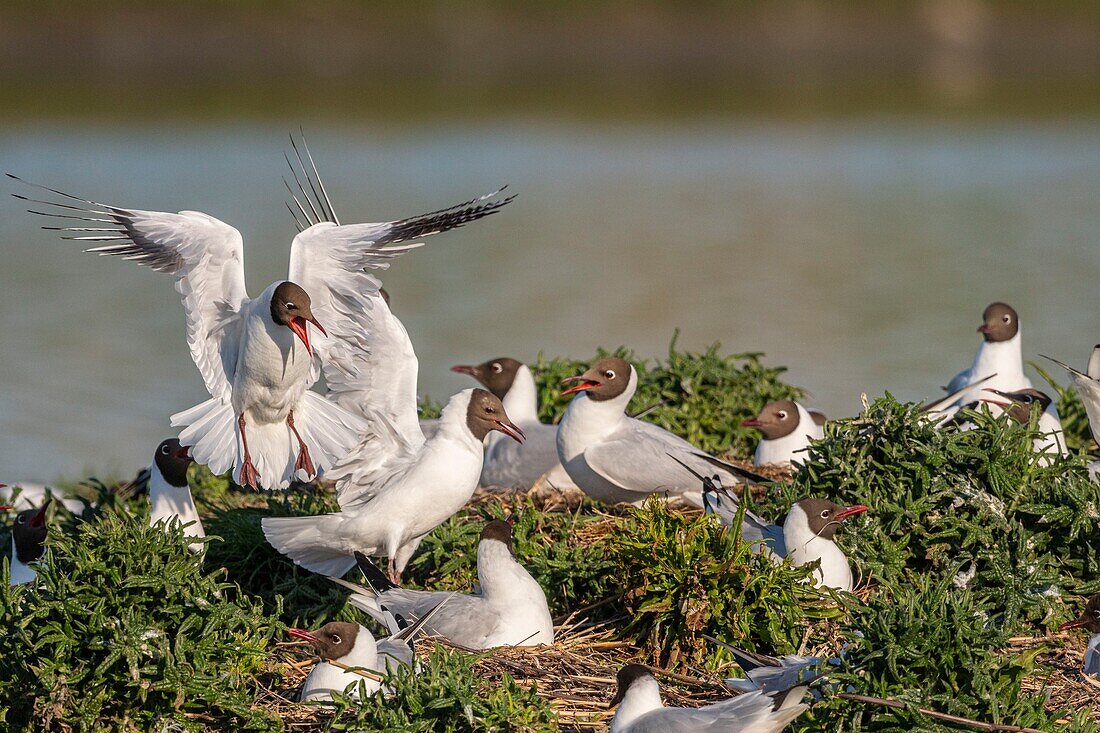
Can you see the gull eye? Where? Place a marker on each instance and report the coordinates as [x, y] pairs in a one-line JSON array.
[[164, 450], [289, 306], [609, 374], [782, 414], [1096, 614], [335, 638], [21, 520], [1006, 318], [490, 409], [825, 513], [497, 368]]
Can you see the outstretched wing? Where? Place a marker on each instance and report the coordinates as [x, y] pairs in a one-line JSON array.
[[205, 255], [367, 360], [1089, 390]]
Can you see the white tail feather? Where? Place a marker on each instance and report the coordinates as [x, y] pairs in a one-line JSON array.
[[212, 432], [307, 541]]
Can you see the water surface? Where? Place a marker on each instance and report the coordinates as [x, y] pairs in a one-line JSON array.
[[858, 253]]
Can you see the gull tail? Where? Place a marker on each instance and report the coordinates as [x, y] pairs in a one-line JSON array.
[[212, 432], [375, 578], [307, 541]]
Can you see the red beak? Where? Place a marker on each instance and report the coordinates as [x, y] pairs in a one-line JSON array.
[[303, 635], [983, 328], [6, 507], [298, 326], [39, 517], [464, 369], [585, 383], [752, 422], [183, 454], [998, 403], [1073, 624], [851, 511], [512, 431]]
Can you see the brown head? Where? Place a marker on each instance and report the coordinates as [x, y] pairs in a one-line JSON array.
[[627, 676], [496, 375], [999, 322], [334, 640], [777, 420], [825, 516], [291, 307], [173, 460], [28, 533], [608, 379], [1089, 618], [485, 413], [498, 531], [1020, 405]]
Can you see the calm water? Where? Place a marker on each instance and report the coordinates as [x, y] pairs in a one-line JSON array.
[[859, 254]]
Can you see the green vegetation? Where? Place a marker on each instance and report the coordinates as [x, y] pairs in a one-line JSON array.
[[971, 542], [447, 696], [124, 631]]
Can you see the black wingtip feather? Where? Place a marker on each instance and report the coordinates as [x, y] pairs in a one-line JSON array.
[[375, 578]]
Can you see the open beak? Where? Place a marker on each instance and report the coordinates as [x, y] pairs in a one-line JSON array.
[[39, 517], [511, 430], [752, 422], [298, 326], [183, 454], [998, 403], [584, 383], [465, 369], [303, 635], [1073, 624], [851, 511]]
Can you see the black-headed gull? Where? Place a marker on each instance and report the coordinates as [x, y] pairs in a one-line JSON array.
[[1090, 621], [28, 543], [769, 674], [616, 458], [257, 355], [1020, 404], [509, 609], [641, 711], [393, 492], [507, 463], [788, 428], [1000, 354], [342, 644], [169, 493], [806, 535]]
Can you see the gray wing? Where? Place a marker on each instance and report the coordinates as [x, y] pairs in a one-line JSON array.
[[958, 381], [511, 464], [749, 713], [754, 528], [464, 619], [1089, 390], [1092, 657], [1093, 369], [635, 458], [945, 402], [394, 653]]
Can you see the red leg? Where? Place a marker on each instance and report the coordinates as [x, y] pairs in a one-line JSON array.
[[303, 461], [249, 475], [391, 570]]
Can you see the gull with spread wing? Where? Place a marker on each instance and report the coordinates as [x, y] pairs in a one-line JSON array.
[[258, 356]]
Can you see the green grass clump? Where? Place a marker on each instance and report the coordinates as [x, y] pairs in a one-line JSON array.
[[446, 696], [931, 644], [125, 631], [300, 597], [705, 395], [687, 577]]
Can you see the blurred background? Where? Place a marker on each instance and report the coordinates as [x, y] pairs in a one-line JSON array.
[[841, 184]]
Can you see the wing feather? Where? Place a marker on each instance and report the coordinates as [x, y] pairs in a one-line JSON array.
[[204, 254]]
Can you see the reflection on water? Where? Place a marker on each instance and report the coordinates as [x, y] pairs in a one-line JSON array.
[[859, 254]]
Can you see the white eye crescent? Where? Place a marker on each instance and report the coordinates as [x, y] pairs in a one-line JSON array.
[[490, 410], [335, 638], [497, 368], [825, 514], [609, 374], [21, 520], [782, 414], [164, 450], [1006, 318]]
